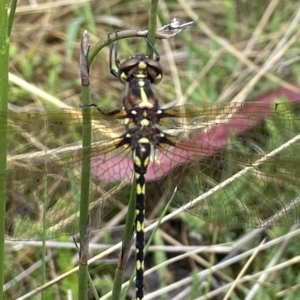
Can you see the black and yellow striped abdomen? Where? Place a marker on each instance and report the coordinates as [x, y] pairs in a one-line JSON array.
[[141, 158]]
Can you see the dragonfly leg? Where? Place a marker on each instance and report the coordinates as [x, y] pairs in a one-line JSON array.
[[115, 113], [117, 61], [157, 57]]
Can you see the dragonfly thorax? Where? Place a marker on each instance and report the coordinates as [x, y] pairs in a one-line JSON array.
[[139, 95]]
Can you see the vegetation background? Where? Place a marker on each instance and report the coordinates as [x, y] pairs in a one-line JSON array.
[[213, 61]]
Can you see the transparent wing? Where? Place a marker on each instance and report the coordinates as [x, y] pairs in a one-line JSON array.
[[44, 165], [234, 165], [226, 159], [241, 169]]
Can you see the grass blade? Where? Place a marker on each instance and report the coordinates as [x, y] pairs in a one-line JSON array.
[[84, 226], [4, 56]]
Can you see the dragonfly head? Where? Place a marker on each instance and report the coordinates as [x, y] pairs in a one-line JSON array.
[[141, 67]]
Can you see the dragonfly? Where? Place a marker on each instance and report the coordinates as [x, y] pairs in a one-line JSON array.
[[232, 164]]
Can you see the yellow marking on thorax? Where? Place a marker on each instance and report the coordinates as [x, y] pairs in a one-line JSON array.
[[144, 140], [145, 122], [144, 98]]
